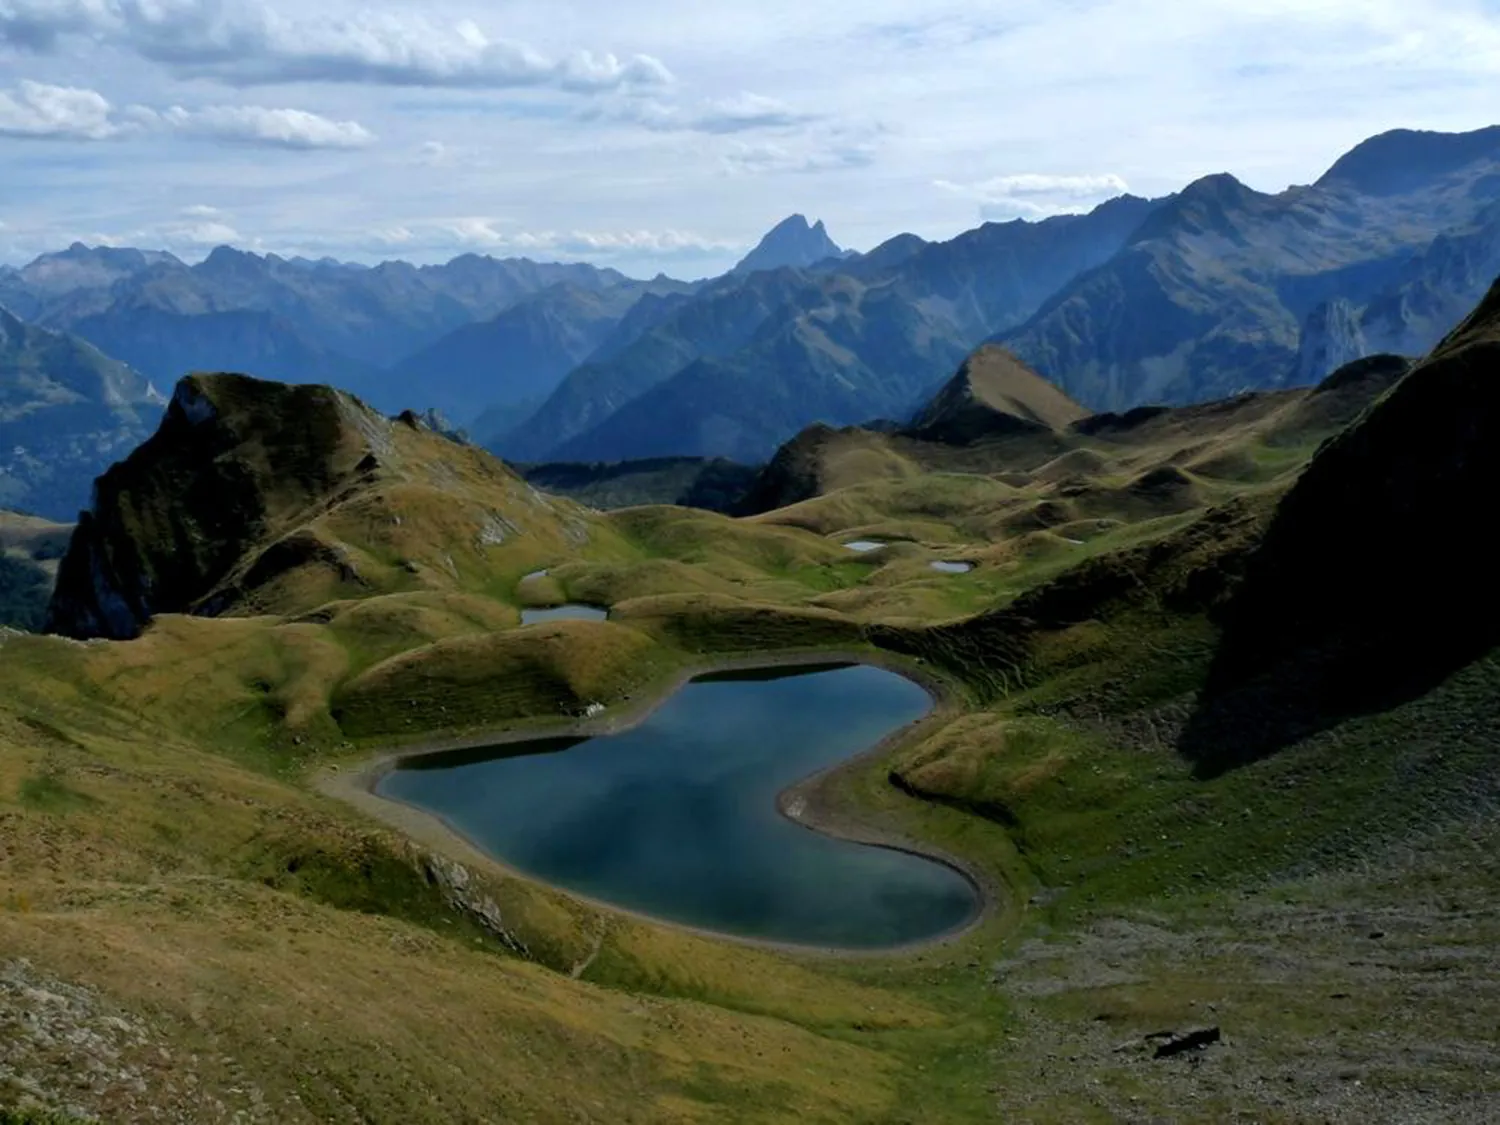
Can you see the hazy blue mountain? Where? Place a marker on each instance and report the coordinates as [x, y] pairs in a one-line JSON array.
[[791, 242], [853, 352], [67, 411], [28, 290], [995, 276], [163, 345], [950, 295], [375, 315], [1211, 294], [724, 317], [519, 355]]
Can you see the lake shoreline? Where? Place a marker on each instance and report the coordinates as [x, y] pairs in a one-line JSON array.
[[799, 802]]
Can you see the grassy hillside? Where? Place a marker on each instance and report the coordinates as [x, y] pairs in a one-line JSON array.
[[29, 552], [185, 905]]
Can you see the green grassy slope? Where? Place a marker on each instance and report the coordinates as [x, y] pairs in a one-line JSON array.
[[220, 932]]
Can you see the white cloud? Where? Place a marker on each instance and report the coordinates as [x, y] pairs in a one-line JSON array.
[[490, 234], [741, 113], [1154, 91], [275, 128], [1030, 195], [34, 109], [243, 43], [833, 149], [201, 234]]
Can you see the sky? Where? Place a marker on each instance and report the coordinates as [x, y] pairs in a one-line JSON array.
[[668, 135]]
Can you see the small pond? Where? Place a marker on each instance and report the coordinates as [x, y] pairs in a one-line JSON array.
[[864, 545], [953, 567], [571, 612], [677, 818]]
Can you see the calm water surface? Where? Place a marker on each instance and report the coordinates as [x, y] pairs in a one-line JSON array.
[[571, 612], [677, 818]]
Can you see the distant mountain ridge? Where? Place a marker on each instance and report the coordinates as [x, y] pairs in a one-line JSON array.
[[744, 363], [522, 353], [1212, 293]]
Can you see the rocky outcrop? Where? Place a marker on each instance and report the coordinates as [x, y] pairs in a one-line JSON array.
[[236, 464], [1331, 339], [791, 242], [794, 474]]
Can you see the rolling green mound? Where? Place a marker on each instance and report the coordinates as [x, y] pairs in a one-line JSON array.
[[201, 897], [29, 552]]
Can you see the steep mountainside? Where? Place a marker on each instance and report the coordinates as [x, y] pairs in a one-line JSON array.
[[520, 354], [791, 242], [1354, 600], [256, 497], [723, 318], [994, 277], [66, 412], [1436, 289], [1211, 293], [166, 344], [993, 390], [951, 294], [856, 353]]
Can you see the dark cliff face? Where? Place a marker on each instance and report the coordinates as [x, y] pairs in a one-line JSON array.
[[233, 461], [1368, 587]]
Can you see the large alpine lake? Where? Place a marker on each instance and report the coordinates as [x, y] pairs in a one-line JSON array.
[[677, 817]]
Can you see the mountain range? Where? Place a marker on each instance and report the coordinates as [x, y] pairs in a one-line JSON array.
[[1214, 290]]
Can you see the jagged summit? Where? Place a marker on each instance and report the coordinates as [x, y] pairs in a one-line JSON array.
[[994, 392], [791, 242]]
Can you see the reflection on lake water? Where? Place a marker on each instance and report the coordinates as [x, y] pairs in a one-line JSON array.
[[677, 817]]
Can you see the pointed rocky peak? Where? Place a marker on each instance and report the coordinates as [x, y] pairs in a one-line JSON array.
[[994, 393], [1403, 160], [236, 461], [791, 242]]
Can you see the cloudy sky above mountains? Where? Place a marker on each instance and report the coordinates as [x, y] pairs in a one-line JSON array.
[[669, 134]]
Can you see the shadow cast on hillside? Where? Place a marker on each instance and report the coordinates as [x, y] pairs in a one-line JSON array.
[[1238, 722]]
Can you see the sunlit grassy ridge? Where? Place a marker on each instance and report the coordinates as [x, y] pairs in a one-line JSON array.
[[166, 849]]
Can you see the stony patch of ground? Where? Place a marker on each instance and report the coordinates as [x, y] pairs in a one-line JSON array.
[[1358, 997], [65, 1050]]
